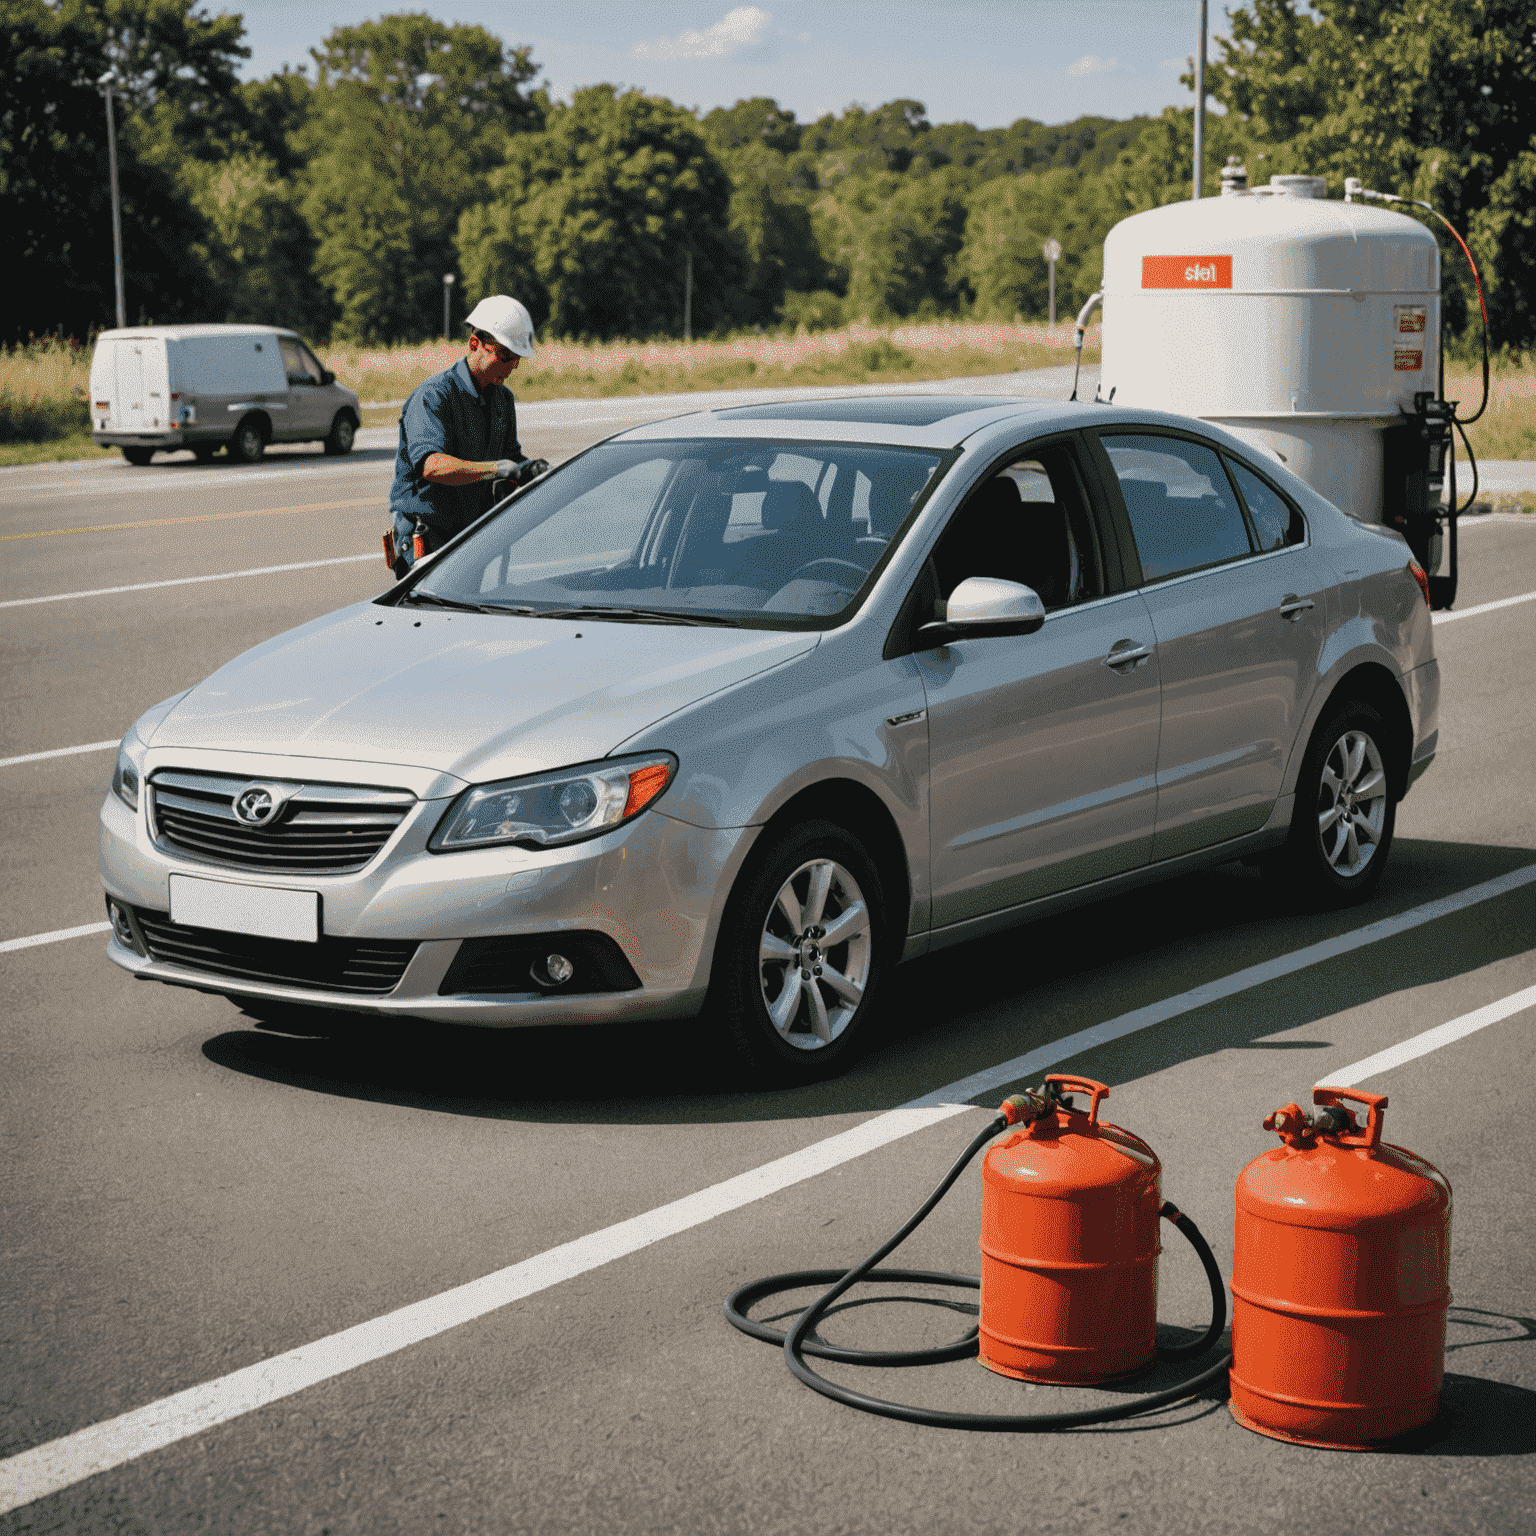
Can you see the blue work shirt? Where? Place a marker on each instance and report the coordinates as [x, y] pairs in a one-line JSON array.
[[448, 414]]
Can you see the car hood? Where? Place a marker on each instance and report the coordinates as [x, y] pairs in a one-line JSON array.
[[475, 695]]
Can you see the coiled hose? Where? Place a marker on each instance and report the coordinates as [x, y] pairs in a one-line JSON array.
[[797, 1342]]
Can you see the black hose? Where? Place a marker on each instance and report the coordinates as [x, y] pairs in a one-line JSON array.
[[1472, 460], [798, 1343]]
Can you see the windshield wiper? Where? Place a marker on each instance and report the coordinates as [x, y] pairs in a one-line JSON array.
[[431, 599], [633, 615]]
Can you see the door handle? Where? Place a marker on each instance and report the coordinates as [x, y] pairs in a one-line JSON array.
[[1292, 607], [1126, 653]]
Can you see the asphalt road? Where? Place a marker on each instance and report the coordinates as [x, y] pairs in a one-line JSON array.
[[473, 1283]]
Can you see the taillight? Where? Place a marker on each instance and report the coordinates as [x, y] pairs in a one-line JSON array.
[[1419, 576]]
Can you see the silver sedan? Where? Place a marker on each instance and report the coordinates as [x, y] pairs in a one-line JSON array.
[[734, 713]]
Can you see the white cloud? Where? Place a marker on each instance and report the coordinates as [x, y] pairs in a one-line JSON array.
[[1092, 64], [741, 28]]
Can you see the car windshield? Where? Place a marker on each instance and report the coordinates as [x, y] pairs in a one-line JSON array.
[[778, 535]]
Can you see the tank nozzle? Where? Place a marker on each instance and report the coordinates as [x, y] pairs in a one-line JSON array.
[[1296, 1128], [1027, 1107], [1077, 338]]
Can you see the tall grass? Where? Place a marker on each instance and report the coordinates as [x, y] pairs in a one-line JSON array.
[[44, 390], [855, 355], [1507, 429]]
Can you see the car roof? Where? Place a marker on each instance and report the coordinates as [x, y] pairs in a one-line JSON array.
[[190, 332], [916, 421], [921, 421]]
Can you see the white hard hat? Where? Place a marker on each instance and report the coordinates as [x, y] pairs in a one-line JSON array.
[[505, 319]]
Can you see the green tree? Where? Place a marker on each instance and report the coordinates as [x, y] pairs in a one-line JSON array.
[[892, 242], [590, 221], [407, 116], [55, 203], [1436, 101], [1012, 217]]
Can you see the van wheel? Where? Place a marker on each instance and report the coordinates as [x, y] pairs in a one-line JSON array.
[[1341, 829], [800, 955], [249, 442], [343, 432], [138, 456]]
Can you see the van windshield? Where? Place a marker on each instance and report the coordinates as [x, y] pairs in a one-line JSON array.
[[777, 535]]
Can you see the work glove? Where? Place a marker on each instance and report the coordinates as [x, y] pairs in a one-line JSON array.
[[531, 469]]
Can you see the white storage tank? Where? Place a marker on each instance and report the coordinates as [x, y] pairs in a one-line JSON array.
[[1305, 326]]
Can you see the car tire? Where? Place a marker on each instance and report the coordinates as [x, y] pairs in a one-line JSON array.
[[204, 452], [249, 442], [1341, 828], [771, 981], [342, 435], [138, 457]]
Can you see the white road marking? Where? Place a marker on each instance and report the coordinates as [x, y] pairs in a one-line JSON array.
[[1467, 613], [187, 581], [1432, 1039], [37, 757], [34, 939], [58, 1464]]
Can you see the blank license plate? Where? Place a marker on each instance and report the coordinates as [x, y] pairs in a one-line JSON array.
[[262, 910]]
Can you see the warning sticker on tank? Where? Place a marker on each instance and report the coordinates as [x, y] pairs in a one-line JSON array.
[[1410, 319], [1407, 359], [1186, 271]]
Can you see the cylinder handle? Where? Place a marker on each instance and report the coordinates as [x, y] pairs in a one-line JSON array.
[[1065, 1081], [1375, 1104]]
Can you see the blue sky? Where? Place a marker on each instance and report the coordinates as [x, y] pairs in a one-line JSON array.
[[983, 61]]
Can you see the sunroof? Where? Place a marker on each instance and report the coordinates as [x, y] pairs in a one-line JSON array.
[[909, 411]]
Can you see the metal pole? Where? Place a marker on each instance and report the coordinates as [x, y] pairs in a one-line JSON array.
[[117, 218], [688, 298], [1052, 320], [447, 293], [1200, 106]]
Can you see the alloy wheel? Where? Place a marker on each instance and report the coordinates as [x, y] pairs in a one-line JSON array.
[[814, 954], [1351, 804]]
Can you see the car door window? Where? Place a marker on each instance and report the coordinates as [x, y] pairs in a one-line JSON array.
[[1183, 513], [1028, 522], [295, 364], [1276, 522]]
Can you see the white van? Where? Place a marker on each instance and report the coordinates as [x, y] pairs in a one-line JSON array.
[[206, 387]]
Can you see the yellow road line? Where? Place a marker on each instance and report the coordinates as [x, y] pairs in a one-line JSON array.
[[211, 517]]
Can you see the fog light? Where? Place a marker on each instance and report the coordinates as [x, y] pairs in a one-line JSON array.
[[122, 928], [553, 971]]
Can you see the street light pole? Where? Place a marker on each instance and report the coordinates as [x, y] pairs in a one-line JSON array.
[[688, 298], [105, 83], [1200, 106], [447, 295]]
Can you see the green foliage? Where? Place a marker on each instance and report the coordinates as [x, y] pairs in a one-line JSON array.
[[589, 221], [407, 116], [1011, 218], [818, 311], [1429, 100], [55, 203]]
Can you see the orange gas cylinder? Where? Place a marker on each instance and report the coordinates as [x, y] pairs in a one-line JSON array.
[[1069, 1246], [1340, 1281]]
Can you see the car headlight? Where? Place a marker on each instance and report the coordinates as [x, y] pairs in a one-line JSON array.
[[129, 770], [551, 809]]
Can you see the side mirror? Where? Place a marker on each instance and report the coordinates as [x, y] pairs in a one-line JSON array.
[[327, 377], [985, 605]]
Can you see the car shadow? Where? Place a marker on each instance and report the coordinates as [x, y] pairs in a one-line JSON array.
[[279, 454], [950, 1014]]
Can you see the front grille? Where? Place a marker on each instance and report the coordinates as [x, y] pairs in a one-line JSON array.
[[333, 965], [322, 829]]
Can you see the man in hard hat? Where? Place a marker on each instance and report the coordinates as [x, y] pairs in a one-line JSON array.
[[458, 435]]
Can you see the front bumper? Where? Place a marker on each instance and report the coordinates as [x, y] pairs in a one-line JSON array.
[[655, 887]]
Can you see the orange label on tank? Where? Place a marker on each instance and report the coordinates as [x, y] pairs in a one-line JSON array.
[[1407, 359], [1186, 271], [1410, 319]]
